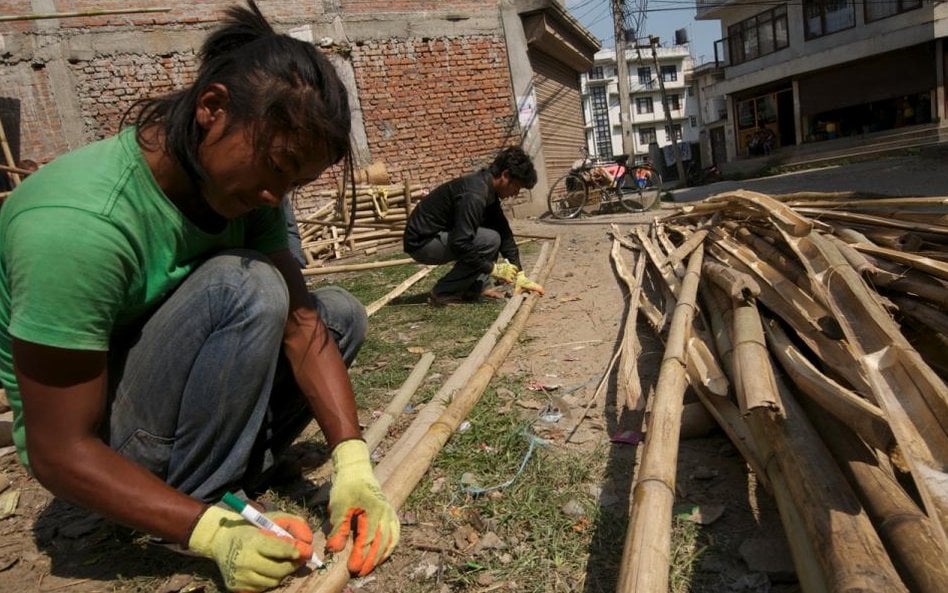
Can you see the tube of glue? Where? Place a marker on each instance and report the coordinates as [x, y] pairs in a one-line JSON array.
[[263, 522]]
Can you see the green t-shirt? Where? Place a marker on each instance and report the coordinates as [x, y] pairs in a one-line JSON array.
[[89, 244]]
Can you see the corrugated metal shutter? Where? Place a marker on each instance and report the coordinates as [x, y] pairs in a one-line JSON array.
[[560, 112]]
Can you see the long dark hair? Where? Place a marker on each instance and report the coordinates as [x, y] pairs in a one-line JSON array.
[[275, 83]]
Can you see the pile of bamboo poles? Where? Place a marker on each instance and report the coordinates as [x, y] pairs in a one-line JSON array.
[[377, 221], [810, 328], [825, 319]]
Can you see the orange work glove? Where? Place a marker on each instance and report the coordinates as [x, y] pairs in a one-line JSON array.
[[356, 494]]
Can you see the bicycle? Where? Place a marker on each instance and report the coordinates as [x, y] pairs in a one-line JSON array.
[[637, 188]]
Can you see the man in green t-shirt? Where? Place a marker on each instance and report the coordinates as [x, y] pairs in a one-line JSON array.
[[158, 343]]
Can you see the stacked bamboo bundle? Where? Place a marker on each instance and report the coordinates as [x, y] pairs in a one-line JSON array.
[[377, 221], [826, 319]]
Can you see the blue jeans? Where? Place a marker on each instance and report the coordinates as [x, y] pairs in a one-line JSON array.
[[463, 278], [203, 396]]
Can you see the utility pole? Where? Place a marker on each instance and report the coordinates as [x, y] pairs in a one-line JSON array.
[[622, 74], [653, 41]]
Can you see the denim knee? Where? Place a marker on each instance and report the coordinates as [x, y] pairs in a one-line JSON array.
[[344, 316], [257, 283]]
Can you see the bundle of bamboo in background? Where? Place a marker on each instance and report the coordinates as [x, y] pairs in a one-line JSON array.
[[377, 221], [828, 314]]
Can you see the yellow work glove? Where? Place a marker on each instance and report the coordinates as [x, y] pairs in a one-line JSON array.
[[249, 558], [522, 283], [356, 494], [505, 272]]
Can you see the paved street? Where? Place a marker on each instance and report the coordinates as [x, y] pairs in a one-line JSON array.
[[925, 174]]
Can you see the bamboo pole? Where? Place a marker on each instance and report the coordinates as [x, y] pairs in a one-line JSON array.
[[374, 435], [850, 555], [913, 397], [405, 285], [408, 474], [907, 532], [434, 407], [357, 267], [8, 155], [646, 553]]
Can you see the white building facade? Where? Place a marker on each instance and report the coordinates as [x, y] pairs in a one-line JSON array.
[[648, 127], [799, 72]]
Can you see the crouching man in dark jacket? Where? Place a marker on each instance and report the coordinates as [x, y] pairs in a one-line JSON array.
[[462, 221]]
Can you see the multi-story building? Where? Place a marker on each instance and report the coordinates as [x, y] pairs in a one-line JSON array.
[[648, 126], [799, 72]]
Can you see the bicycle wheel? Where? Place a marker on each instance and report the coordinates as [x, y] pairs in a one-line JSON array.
[[567, 196], [641, 189]]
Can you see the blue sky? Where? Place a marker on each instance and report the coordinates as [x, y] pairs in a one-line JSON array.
[[662, 18]]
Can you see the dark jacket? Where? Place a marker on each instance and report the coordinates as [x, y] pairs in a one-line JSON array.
[[460, 207]]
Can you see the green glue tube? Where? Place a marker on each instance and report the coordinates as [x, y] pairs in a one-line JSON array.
[[263, 522]]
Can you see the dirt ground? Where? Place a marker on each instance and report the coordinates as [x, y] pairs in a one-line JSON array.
[[47, 545]]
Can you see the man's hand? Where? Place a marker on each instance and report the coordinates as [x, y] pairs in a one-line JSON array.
[[505, 272], [249, 558], [356, 494], [523, 283]]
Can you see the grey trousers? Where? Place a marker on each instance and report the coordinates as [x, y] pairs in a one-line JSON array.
[[202, 396], [463, 278]]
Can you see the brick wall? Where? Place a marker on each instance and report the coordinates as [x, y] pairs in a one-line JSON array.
[[435, 108]]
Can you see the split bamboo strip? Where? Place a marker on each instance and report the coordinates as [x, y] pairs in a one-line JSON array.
[[400, 484], [930, 317], [924, 264], [434, 407], [631, 348], [685, 249], [646, 554], [405, 285], [861, 416], [886, 276], [912, 395], [871, 203], [600, 389], [357, 267], [659, 260], [851, 557], [783, 216], [875, 220], [803, 314]]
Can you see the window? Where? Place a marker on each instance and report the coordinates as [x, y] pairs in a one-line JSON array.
[[677, 129], [596, 73], [601, 126], [646, 135], [880, 9], [643, 105], [674, 102], [645, 77], [669, 73], [759, 35], [822, 17], [694, 121]]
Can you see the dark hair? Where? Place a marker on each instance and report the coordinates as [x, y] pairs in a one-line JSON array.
[[518, 165], [275, 83]]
